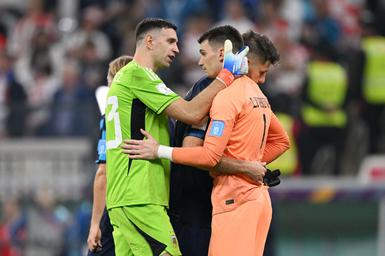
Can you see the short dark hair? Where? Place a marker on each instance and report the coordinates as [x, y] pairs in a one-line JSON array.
[[221, 33], [148, 24], [261, 46]]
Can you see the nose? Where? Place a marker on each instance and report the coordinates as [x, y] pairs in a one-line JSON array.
[[176, 49], [261, 80], [200, 63]]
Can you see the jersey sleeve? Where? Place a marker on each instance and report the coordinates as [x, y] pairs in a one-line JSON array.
[[222, 114], [277, 141], [150, 89], [102, 143]]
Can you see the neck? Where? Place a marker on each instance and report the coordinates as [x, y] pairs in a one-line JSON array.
[[143, 58]]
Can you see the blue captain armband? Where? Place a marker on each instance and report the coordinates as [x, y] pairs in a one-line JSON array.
[[101, 151], [198, 133]]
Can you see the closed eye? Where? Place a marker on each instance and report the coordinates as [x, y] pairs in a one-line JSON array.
[[172, 40]]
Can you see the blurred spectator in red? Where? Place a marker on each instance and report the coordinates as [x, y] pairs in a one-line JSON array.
[[13, 108], [3, 37], [346, 13], [36, 18], [5, 245], [12, 229]]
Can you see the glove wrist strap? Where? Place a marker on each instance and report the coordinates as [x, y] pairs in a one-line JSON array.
[[225, 77]]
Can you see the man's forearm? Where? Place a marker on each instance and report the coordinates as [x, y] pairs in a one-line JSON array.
[[229, 165], [200, 105], [99, 198], [194, 112], [253, 170], [226, 165]]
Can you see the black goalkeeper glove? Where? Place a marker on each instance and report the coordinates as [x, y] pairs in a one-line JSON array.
[[271, 178]]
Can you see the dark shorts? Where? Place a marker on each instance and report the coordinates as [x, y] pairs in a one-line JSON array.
[[193, 240], [108, 246], [193, 230]]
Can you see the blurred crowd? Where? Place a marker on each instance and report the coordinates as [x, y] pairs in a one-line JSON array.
[[328, 89]]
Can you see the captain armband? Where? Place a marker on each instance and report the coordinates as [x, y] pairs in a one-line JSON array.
[[198, 131]]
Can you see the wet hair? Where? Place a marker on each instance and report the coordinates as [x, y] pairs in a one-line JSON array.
[[261, 46], [218, 35], [148, 24], [117, 64]]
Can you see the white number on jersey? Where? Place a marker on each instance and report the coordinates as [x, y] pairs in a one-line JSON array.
[[114, 115]]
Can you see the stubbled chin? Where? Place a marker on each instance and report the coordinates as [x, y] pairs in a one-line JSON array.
[[210, 75], [166, 64]]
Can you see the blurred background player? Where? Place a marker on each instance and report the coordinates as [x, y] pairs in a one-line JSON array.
[[100, 240]]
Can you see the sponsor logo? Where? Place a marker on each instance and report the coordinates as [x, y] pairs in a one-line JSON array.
[[162, 88]]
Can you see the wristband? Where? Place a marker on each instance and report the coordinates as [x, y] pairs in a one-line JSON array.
[[165, 152], [225, 77]]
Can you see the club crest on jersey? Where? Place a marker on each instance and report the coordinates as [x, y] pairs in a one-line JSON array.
[[217, 128], [174, 241], [162, 88]]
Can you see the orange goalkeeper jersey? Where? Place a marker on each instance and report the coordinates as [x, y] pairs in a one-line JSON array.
[[241, 124]]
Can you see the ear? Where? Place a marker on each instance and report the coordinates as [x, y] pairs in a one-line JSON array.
[[149, 41], [221, 53]]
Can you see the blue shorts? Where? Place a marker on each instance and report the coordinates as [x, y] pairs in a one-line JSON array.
[[108, 246]]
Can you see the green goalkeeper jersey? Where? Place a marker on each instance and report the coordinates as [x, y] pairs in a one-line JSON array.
[[136, 99]]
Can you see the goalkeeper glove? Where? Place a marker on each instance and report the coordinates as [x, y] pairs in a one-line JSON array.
[[271, 178], [233, 64]]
